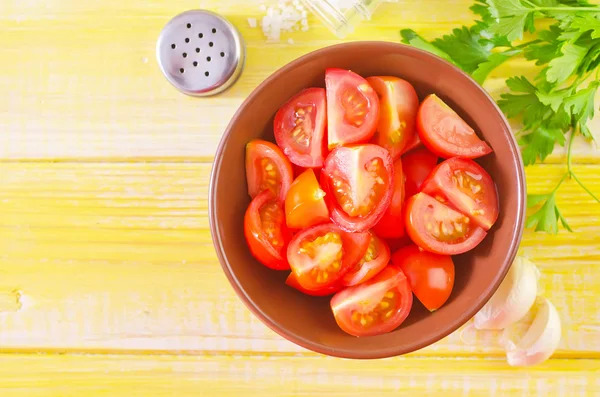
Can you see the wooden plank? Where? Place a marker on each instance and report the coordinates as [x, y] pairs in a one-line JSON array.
[[125, 376], [118, 256], [80, 79]]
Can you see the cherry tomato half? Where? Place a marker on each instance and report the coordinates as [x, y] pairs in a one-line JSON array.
[[445, 133], [352, 108], [467, 187], [357, 181], [391, 224], [299, 128], [438, 228], [375, 307], [265, 231], [431, 276], [398, 105], [304, 203], [375, 259], [267, 168], [326, 291], [321, 255], [417, 165]]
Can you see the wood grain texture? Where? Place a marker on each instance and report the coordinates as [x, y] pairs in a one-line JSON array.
[[104, 240], [118, 256], [259, 376]]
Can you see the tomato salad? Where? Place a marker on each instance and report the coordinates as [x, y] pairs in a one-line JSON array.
[[359, 167]]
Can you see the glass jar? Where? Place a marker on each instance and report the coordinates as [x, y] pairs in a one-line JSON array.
[[342, 16]]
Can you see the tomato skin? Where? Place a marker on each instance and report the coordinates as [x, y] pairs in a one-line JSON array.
[[391, 225], [304, 203], [353, 247], [310, 124], [398, 105], [350, 301], [417, 165], [445, 133], [327, 291], [375, 259], [258, 151], [414, 143], [256, 238], [466, 186], [352, 108], [431, 276], [422, 210], [351, 162]]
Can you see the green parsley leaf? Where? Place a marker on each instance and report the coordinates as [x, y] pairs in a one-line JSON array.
[[581, 104], [562, 68], [466, 48], [539, 144], [546, 51], [545, 219], [485, 68], [586, 23], [411, 37]]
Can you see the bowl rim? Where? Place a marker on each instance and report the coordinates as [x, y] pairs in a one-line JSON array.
[[388, 351]]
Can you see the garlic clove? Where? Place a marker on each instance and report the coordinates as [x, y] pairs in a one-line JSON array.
[[513, 299], [534, 344]]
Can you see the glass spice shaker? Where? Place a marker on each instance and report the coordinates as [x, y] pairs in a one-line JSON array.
[[342, 16]]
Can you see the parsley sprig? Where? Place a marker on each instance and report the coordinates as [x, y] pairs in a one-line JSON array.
[[559, 102]]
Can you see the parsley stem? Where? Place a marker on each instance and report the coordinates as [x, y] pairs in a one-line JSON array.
[[559, 183], [538, 8], [585, 188], [569, 152], [570, 172]]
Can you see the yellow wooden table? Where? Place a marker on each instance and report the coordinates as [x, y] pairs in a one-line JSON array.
[[109, 284]]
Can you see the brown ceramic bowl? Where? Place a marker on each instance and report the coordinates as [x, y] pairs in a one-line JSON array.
[[308, 321]]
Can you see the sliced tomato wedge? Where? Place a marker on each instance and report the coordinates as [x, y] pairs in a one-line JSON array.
[[326, 291], [445, 133], [375, 307], [357, 181], [265, 231], [352, 108], [375, 259], [304, 203], [417, 165], [267, 168], [299, 128], [398, 105], [467, 187], [321, 255], [431, 276], [391, 225], [437, 228]]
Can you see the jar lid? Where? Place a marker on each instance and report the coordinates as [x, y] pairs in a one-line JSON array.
[[200, 53]]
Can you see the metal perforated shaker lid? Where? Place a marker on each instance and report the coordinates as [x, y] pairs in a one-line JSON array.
[[200, 53]]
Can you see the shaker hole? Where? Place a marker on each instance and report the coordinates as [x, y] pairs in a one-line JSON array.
[[184, 54], [187, 39], [181, 70], [173, 46], [214, 30], [195, 63], [208, 59], [197, 50], [222, 54], [206, 74], [189, 25], [200, 35], [211, 44]]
